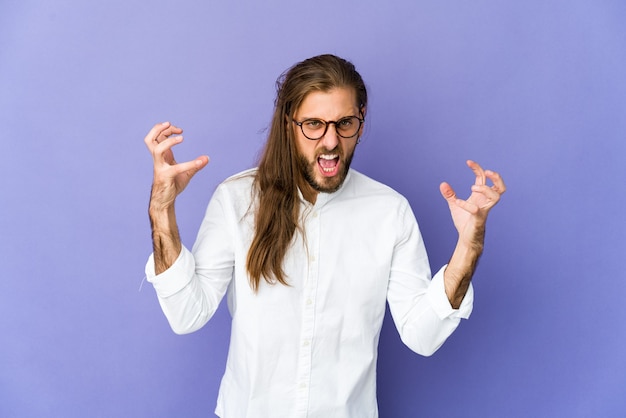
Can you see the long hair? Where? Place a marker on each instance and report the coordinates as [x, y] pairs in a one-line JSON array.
[[278, 175]]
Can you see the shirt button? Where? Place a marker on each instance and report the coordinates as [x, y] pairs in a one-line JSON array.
[[312, 259], [315, 214], [306, 343], [302, 385], [309, 301]]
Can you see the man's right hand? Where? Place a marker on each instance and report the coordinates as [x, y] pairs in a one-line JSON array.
[[170, 179]]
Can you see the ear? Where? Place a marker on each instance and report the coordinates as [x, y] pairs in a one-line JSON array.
[[362, 111]]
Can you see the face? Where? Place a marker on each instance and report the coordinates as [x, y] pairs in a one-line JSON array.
[[324, 162]]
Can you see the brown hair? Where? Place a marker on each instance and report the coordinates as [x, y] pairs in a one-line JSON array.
[[277, 177]]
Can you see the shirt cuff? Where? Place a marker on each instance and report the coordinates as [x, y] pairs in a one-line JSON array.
[[440, 303], [175, 278]]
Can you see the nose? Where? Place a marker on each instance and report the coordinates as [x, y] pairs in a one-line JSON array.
[[330, 140]]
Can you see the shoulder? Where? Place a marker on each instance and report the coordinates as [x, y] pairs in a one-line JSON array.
[[240, 182], [241, 179], [237, 190]]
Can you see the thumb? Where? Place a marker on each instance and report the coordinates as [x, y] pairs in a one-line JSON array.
[[447, 192], [198, 164], [190, 168], [201, 162]]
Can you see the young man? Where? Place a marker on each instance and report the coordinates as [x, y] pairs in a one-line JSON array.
[[308, 252]]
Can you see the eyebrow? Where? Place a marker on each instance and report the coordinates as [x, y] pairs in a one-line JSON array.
[[327, 120], [355, 110]]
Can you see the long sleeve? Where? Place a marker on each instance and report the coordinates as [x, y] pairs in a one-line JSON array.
[[419, 306], [190, 291]]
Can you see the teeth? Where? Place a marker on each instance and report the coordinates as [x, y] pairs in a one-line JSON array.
[[328, 157]]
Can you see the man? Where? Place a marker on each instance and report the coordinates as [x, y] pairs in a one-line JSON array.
[[308, 252]]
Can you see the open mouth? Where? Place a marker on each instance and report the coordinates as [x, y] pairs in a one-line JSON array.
[[328, 164]]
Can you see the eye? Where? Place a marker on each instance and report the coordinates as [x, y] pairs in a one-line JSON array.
[[313, 124], [345, 123]]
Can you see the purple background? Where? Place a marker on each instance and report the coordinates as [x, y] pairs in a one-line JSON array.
[[533, 89]]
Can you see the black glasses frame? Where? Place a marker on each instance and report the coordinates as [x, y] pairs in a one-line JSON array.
[[326, 124]]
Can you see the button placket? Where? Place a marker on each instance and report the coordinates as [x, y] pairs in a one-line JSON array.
[[312, 226]]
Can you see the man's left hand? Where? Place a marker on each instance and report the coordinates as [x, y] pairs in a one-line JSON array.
[[470, 215]]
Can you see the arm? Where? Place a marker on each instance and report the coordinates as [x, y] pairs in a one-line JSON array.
[[170, 179], [189, 286], [419, 306], [469, 217]]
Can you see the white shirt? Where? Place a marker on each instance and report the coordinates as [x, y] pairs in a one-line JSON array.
[[309, 349]]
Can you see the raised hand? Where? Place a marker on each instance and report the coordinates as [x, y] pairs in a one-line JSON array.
[[170, 178], [470, 215]]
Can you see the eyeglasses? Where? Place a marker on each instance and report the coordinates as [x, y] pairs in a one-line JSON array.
[[315, 129]]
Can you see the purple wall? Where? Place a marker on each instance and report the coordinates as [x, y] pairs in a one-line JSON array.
[[534, 89]]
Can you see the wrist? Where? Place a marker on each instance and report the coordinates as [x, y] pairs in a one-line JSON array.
[[165, 238], [468, 248], [472, 239], [465, 257], [460, 270], [162, 219], [160, 211], [162, 199]]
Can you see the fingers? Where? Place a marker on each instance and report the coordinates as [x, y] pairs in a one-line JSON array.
[[496, 179], [491, 196], [162, 152], [478, 171], [161, 138], [483, 196], [483, 175], [159, 133]]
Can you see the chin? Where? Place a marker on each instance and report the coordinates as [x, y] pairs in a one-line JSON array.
[[329, 185], [319, 182]]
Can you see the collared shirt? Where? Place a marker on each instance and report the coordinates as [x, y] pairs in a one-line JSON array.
[[310, 349]]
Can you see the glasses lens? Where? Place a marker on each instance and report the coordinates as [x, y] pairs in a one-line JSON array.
[[313, 128], [348, 127]]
